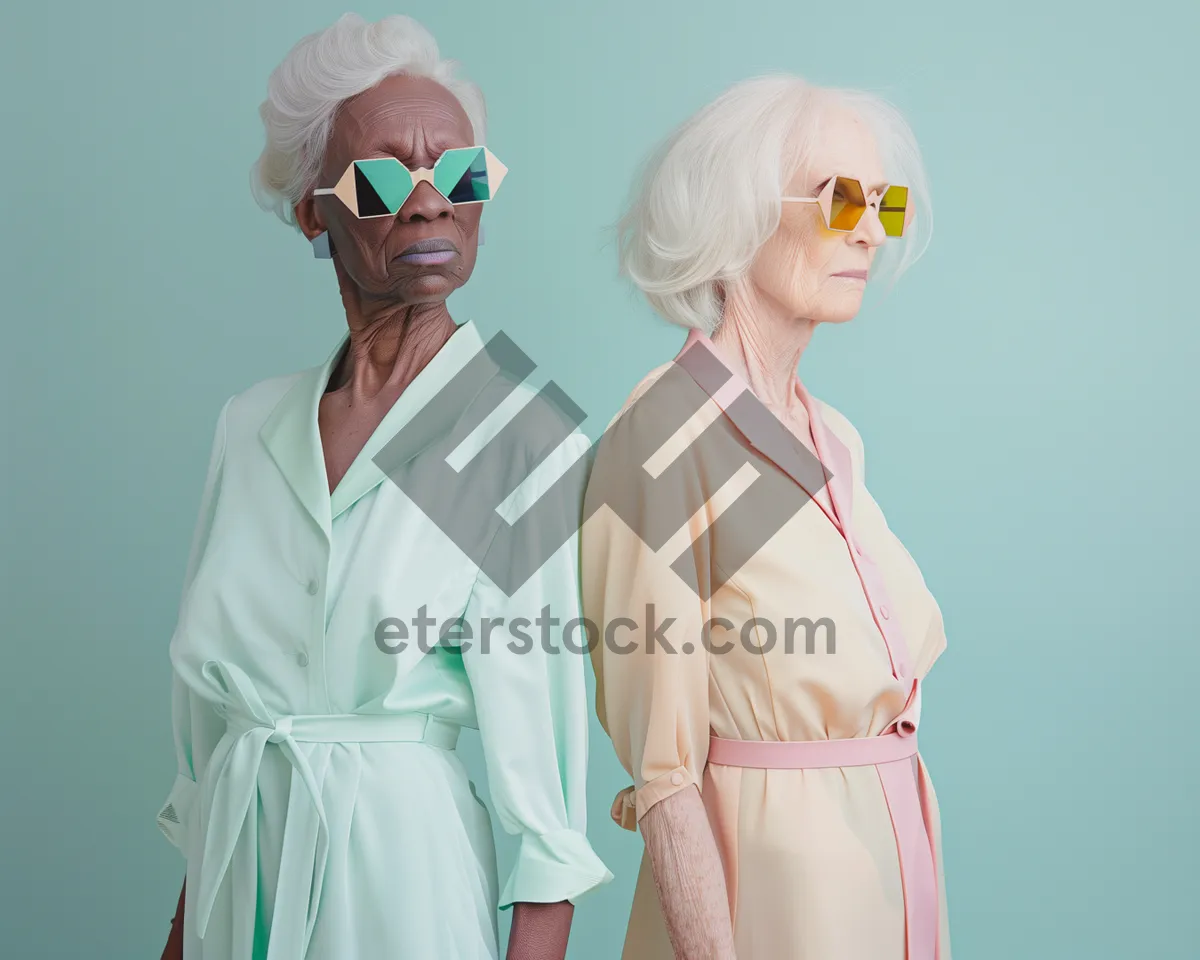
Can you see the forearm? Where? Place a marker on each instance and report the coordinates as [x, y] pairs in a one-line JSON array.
[[689, 877], [540, 930], [174, 947]]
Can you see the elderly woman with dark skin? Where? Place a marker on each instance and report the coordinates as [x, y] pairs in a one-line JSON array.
[[320, 805]]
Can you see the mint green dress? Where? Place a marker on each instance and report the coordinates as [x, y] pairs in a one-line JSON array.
[[320, 805]]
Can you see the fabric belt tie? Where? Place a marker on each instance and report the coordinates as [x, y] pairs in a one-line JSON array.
[[227, 823], [890, 754]]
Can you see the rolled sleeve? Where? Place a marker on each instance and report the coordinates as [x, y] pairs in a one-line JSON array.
[[652, 686], [554, 866], [652, 701], [531, 705], [631, 803], [661, 787]]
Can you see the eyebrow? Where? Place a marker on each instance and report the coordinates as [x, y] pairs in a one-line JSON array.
[[404, 152], [877, 188]]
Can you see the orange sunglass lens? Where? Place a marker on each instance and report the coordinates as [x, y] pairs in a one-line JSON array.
[[847, 204]]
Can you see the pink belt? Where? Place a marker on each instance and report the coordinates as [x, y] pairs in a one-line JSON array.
[[890, 754]]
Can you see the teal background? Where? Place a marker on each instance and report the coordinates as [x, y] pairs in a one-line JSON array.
[[1026, 394]]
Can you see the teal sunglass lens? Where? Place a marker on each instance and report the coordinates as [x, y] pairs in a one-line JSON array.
[[382, 186], [461, 175]]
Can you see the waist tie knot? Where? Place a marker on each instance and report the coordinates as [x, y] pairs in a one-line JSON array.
[[281, 730]]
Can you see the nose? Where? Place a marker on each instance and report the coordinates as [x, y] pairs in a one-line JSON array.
[[425, 203], [869, 232]]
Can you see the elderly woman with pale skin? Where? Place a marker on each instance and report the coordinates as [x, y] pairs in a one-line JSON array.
[[319, 803], [785, 809]]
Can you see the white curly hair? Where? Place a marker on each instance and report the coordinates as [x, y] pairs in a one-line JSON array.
[[324, 70]]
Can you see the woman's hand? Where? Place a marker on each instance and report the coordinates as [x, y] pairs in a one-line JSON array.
[[540, 930], [174, 948]]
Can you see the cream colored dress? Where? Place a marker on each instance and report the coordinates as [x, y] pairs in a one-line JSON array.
[[810, 855]]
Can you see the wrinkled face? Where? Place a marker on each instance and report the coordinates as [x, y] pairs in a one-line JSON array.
[[427, 250], [808, 270]]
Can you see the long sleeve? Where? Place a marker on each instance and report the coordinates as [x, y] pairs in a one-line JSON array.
[[196, 727], [652, 668], [531, 705]]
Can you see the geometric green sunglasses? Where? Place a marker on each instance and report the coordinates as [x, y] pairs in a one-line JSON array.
[[379, 187]]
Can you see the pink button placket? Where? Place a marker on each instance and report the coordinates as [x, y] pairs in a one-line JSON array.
[[905, 800], [891, 753]]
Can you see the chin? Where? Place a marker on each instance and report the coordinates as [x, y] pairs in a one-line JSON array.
[[840, 313], [426, 289]]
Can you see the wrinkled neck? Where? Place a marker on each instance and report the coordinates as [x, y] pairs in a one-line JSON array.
[[386, 351], [764, 345]]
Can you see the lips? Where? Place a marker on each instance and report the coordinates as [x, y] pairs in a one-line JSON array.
[[432, 250], [852, 274]]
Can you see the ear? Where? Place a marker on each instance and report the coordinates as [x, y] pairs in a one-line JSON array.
[[308, 219]]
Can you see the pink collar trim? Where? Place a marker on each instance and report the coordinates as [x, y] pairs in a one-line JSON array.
[[832, 453]]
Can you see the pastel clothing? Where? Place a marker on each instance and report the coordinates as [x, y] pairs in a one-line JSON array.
[[830, 849], [319, 802]]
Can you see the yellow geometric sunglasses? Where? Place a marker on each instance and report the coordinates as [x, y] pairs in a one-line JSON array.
[[380, 186], [843, 202]]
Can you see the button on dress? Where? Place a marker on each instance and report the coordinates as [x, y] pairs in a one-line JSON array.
[[810, 856], [320, 805]]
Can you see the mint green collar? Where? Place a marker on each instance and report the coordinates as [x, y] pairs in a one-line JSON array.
[[292, 436]]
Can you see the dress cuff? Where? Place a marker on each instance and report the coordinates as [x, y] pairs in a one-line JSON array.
[[554, 866], [658, 789], [623, 811], [173, 817]]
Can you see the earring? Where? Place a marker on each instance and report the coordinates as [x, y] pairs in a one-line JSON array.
[[479, 242], [322, 246]]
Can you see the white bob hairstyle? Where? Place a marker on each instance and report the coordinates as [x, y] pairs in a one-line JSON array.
[[321, 72], [709, 197]]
